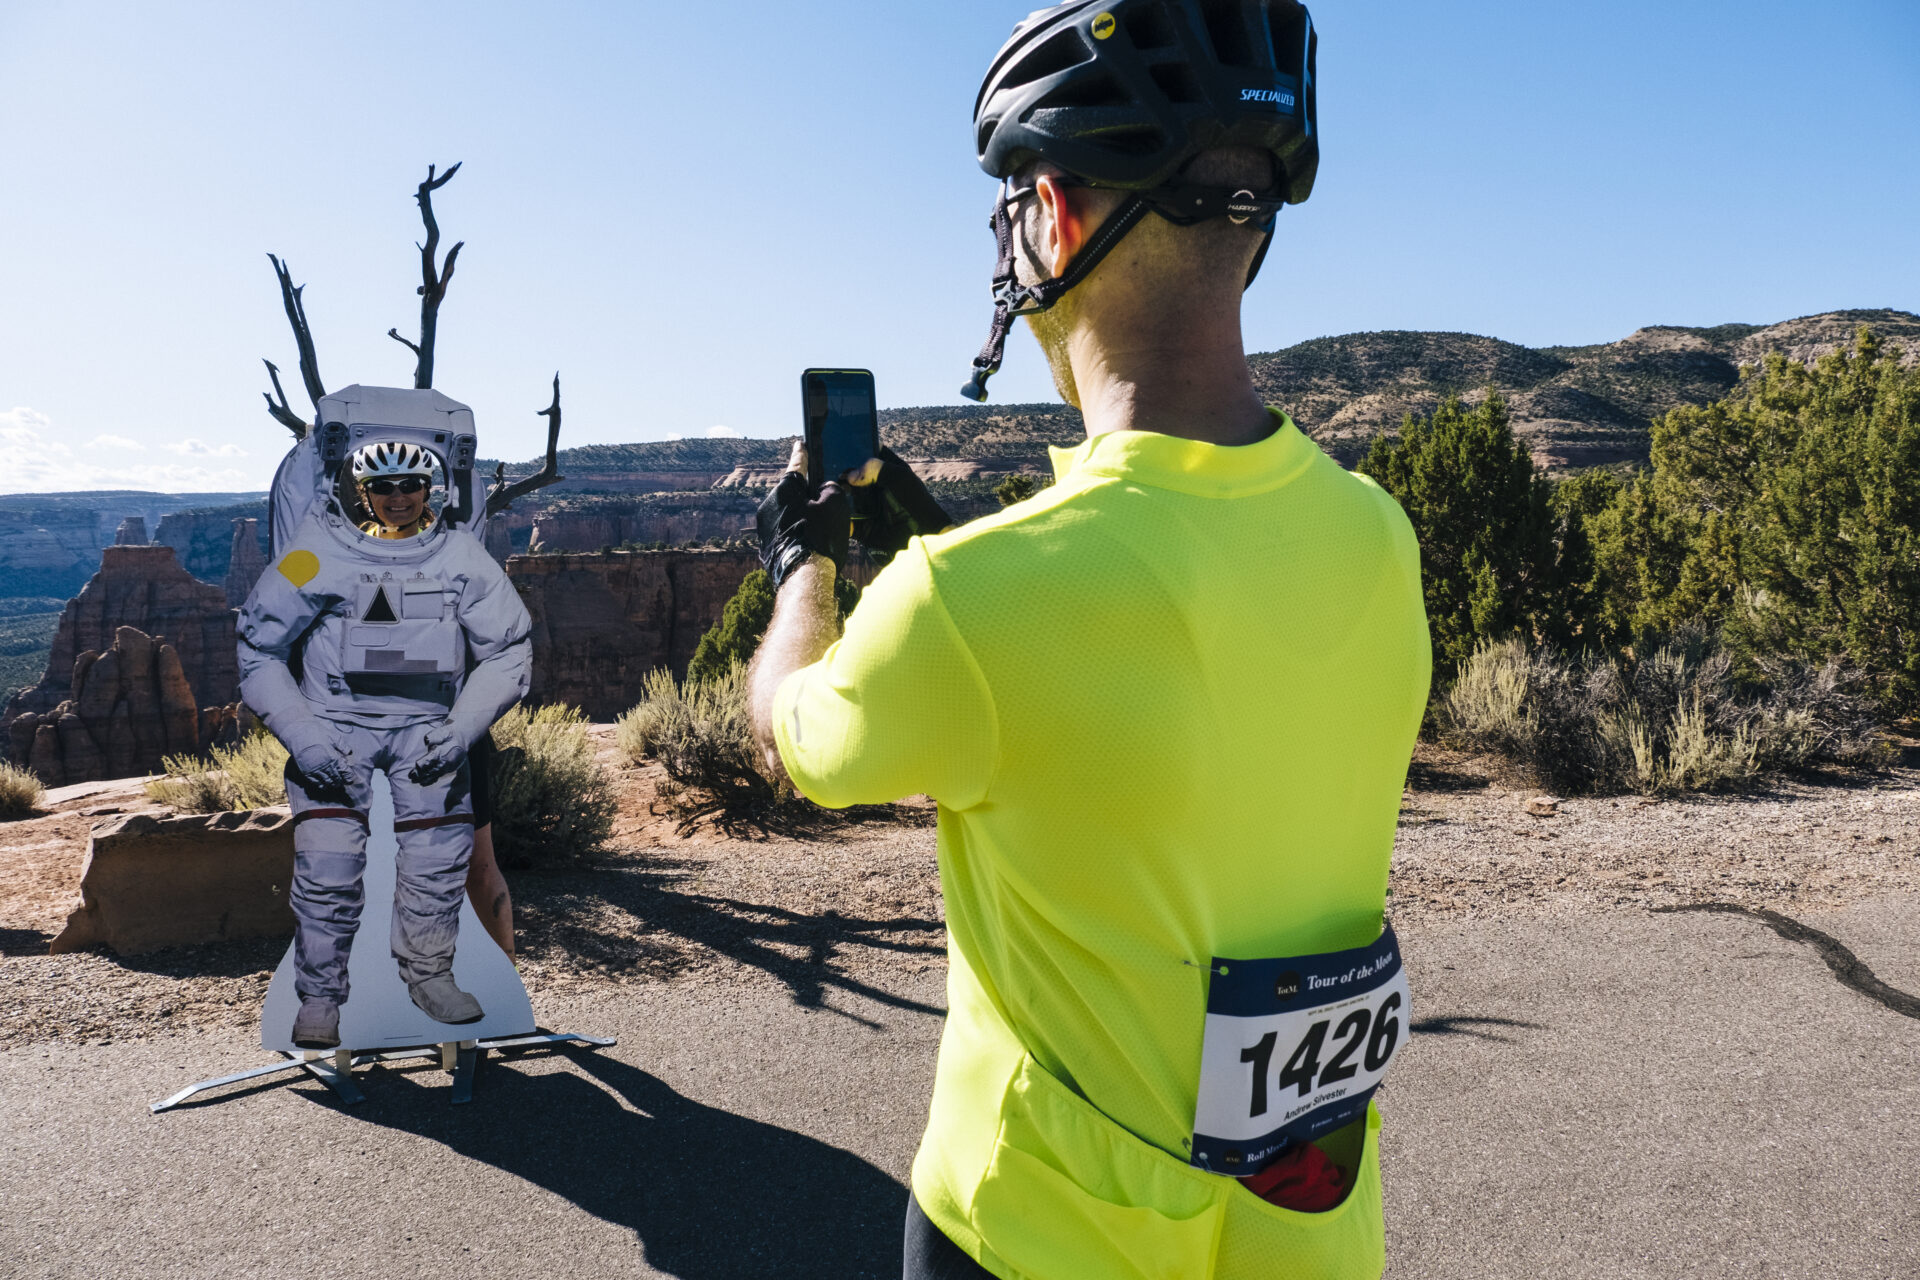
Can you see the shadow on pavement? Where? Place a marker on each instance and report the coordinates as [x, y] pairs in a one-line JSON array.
[[708, 1194], [1844, 965], [626, 918], [1465, 1025]]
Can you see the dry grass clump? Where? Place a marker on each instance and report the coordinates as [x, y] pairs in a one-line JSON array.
[[553, 804], [251, 774], [20, 792], [702, 736], [1676, 720]]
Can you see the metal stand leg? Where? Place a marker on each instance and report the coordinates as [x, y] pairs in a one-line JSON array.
[[329, 1074], [466, 1064], [461, 1057]]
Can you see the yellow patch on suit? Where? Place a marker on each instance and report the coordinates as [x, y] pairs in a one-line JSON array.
[[298, 567]]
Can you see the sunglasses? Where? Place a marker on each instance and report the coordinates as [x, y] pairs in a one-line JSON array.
[[405, 484]]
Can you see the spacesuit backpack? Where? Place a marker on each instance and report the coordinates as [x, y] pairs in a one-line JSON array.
[[312, 476]]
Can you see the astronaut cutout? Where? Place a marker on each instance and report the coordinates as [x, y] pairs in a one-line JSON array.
[[390, 647]]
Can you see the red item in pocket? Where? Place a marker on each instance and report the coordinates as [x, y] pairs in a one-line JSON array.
[[1305, 1180]]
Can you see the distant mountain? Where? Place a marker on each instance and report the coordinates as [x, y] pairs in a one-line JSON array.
[[1576, 406]]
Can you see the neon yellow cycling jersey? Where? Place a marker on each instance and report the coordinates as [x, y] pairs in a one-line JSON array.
[[1166, 707]]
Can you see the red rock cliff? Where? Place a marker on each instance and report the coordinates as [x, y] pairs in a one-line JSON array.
[[602, 621]]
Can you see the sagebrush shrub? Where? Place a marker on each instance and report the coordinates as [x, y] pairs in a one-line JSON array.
[[251, 774], [702, 735], [1676, 720], [553, 803], [192, 784], [20, 792]]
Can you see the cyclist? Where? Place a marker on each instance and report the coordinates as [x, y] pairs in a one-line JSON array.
[[1166, 705]]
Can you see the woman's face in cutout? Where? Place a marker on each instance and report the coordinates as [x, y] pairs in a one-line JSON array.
[[396, 508]]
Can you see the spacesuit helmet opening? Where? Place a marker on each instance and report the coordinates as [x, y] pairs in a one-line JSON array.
[[396, 483]]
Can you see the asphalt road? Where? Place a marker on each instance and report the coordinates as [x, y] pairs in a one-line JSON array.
[[1614, 1096]]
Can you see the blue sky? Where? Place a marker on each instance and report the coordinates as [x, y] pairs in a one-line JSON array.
[[681, 206]]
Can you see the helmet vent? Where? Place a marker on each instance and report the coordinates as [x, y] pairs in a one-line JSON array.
[[1227, 29], [1149, 27], [1287, 24], [1095, 89], [1065, 49], [1136, 140], [1177, 81]]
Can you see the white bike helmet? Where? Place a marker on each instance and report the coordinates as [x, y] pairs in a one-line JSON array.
[[392, 458]]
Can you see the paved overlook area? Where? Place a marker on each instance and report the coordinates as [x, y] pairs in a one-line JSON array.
[[1650, 1039]]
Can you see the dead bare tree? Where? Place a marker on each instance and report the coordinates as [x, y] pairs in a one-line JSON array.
[[502, 495], [309, 363], [433, 287], [433, 279]]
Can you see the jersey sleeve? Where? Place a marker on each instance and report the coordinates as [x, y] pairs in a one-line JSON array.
[[896, 707]]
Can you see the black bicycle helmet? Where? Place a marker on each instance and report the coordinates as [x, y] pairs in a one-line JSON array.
[[1123, 94]]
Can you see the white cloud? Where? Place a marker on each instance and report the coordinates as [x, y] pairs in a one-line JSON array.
[[33, 460], [194, 447], [122, 443], [722, 433]]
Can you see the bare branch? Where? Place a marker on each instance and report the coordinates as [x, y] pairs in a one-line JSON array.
[[503, 494], [283, 412], [395, 335], [302, 336], [433, 277]]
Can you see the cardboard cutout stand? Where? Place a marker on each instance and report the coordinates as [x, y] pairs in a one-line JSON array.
[[379, 1022]]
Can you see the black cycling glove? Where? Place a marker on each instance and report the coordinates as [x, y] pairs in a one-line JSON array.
[[794, 524], [897, 507]]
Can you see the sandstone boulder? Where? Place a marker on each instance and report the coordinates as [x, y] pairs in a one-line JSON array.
[[153, 882], [130, 707], [169, 642], [132, 532]]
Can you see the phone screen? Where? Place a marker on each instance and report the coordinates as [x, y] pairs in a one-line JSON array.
[[842, 425]]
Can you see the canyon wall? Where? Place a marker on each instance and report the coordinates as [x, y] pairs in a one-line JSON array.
[[50, 543], [601, 622], [589, 524], [203, 539]]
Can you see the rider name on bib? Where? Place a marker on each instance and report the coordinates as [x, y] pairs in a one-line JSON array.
[[1293, 1049]]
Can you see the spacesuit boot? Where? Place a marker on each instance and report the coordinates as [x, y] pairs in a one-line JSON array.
[[317, 1025], [440, 1000]]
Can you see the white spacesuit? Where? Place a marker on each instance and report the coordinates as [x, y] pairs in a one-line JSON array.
[[364, 652]]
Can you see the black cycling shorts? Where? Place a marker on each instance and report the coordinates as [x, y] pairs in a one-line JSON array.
[[930, 1255], [480, 775]]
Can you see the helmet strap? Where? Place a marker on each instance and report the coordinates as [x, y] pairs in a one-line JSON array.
[[1012, 298]]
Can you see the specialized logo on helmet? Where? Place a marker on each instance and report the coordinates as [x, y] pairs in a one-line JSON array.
[[1278, 97], [1102, 26]]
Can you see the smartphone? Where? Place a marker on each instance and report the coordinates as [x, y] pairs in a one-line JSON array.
[[842, 425]]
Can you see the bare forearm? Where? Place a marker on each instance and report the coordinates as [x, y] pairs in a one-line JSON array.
[[805, 623]]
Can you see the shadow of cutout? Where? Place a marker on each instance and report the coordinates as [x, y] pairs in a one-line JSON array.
[[554, 912], [1852, 971], [1466, 1025], [709, 1195]]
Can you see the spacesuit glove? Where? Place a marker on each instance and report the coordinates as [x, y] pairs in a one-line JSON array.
[[896, 503], [444, 749], [321, 762], [794, 523]]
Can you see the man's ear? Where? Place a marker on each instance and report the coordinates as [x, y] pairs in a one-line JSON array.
[[1064, 228]]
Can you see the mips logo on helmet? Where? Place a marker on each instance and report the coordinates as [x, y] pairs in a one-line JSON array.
[[1102, 26], [1278, 97]]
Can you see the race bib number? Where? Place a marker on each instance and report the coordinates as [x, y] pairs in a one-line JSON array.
[[1294, 1048]]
